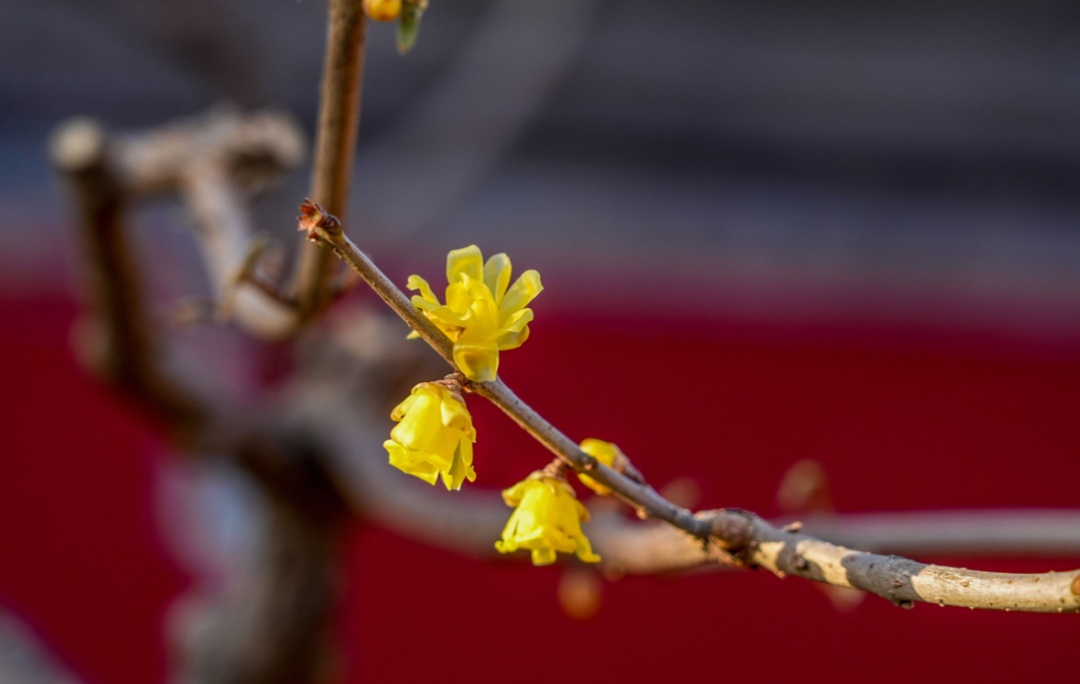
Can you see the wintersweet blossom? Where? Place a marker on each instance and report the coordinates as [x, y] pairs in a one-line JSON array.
[[483, 313], [434, 436], [607, 453], [547, 518], [382, 10]]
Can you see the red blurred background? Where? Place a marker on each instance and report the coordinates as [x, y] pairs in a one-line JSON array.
[[901, 419]]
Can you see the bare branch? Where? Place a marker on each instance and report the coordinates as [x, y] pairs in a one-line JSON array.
[[255, 147], [788, 551], [120, 343], [225, 237], [212, 160], [274, 624], [339, 118], [746, 537]]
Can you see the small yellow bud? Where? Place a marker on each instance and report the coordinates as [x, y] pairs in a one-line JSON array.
[[433, 437], [382, 10], [547, 518], [606, 453]]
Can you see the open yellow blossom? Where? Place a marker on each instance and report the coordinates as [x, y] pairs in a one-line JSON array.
[[607, 453], [547, 518], [434, 436], [483, 313]]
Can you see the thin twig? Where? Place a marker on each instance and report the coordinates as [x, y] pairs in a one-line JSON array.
[[339, 119], [324, 229], [225, 237], [746, 537]]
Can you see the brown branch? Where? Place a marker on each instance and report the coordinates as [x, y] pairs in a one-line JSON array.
[[339, 119], [788, 551], [635, 548], [255, 147], [273, 624], [275, 627], [469, 521], [224, 235], [213, 160], [119, 343], [745, 536]]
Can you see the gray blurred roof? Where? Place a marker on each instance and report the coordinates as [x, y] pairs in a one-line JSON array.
[[931, 147]]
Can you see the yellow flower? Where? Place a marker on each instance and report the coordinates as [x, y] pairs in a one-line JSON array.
[[382, 10], [547, 518], [434, 436], [483, 312], [605, 452]]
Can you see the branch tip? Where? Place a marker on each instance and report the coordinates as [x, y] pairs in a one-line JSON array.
[[78, 144], [321, 226]]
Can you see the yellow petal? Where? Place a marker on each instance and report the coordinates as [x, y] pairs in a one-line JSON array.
[[484, 320], [513, 340], [421, 423], [453, 413], [460, 469], [400, 459], [401, 409], [497, 272], [584, 551], [465, 261], [415, 282], [512, 496], [518, 321], [459, 296], [479, 361], [523, 291], [582, 512], [543, 556]]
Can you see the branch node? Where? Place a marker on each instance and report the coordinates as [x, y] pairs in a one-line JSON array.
[[556, 469], [733, 529], [799, 562]]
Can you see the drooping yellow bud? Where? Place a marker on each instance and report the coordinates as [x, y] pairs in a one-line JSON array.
[[433, 437], [547, 519], [607, 453]]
